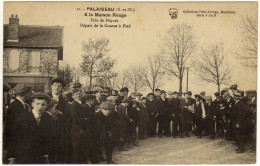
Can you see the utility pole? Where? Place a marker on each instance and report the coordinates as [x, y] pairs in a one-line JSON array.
[[187, 87]]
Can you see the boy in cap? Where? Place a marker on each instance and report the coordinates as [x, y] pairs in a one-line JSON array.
[[14, 111], [98, 133], [223, 114], [31, 145], [125, 123]]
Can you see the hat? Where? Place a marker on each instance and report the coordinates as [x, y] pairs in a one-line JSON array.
[[106, 105], [207, 98], [98, 89], [112, 98], [221, 101], [41, 95], [58, 80], [88, 97], [124, 89], [225, 89], [180, 93], [149, 94], [226, 94], [242, 92], [88, 92], [216, 94], [233, 87], [197, 96], [75, 90], [21, 88], [170, 93], [76, 85], [238, 94], [163, 91], [175, 93], [185, 93], [157, 90], [203, 93], [189, 93], [136, 94], [127, 100]]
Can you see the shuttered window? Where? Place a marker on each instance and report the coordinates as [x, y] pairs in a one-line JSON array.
[[35, 62]]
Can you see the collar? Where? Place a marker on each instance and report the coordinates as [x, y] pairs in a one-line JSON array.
[[77, 101], [55, 96], [19, 99], [36, 114]]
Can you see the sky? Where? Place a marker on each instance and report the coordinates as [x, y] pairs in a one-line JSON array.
[[149, 24]]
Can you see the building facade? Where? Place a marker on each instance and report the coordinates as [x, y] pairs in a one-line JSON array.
[[31, 54]]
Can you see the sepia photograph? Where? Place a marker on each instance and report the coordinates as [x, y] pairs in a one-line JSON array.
[[129, 82]]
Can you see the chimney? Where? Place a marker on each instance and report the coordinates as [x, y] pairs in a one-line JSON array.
[[13, 29]]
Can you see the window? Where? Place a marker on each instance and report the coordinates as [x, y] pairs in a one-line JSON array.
[[14, 59], [35, 62]]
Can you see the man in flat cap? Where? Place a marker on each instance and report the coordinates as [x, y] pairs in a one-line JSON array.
[[98, 133], [152, 107], [239, 120], [99, 99], [31, 145], [63, 126], [174, 103], [14, 111]]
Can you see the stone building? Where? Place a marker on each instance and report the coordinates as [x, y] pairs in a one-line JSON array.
[[31, 53]]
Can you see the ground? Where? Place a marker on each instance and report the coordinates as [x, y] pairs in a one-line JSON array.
[[187, 150]]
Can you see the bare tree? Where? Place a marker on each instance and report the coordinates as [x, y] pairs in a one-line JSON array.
[[66, 74], [153, 72], [211, 67], [96, 62], [135, 77], [121, 80], [178, 48], [249, 33], [76, 73]]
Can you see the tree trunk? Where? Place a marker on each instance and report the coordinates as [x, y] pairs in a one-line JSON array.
[[180, 85], [90, 82], [218, 87]]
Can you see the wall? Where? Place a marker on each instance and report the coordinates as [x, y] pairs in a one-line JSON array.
[[49, 61]]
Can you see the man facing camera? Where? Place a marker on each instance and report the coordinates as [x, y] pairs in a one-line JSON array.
[[30, 141]]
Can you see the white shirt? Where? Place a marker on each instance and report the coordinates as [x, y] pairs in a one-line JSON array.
[[78, 101], [56, 97], [37, 116], [125, 108]]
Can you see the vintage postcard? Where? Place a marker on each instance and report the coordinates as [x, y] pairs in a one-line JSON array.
[[129, 82]]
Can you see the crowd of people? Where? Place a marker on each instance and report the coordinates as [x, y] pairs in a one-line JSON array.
[[86, 127]]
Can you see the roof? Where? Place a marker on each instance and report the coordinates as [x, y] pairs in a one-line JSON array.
[[36, 36]]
